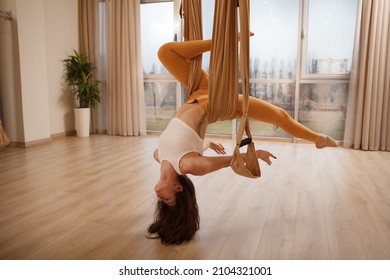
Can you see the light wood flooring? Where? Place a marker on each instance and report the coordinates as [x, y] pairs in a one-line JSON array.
[[92, 198]]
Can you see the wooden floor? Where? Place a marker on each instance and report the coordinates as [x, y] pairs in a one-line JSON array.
[[92, 198]]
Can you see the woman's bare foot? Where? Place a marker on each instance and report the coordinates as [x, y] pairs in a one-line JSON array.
[[323, 141]]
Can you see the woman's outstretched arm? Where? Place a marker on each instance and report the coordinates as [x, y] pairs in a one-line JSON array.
[[202, 165], [196, 164]]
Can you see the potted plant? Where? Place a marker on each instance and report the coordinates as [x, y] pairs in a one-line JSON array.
[[79, 78]]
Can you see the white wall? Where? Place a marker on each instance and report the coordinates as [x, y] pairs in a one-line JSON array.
[[61, 38], [33, 45], [33, 70]]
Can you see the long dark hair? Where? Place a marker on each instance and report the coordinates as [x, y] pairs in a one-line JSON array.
[[179, 223]]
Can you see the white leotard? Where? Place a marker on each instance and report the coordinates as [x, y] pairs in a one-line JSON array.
[[177, 140]]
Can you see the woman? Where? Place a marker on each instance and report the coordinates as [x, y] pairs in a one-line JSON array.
[[181, 145]]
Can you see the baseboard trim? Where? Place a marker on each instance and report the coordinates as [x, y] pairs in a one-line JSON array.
[[43, 141], [63, 134], [36, 143]]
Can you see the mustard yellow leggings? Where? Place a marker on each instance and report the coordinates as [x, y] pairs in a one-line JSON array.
[[175, 56]]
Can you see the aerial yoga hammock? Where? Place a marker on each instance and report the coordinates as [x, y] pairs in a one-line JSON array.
[[223, 73]]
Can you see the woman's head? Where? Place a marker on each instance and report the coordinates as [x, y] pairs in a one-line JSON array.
[[166, 189], [178, 223]]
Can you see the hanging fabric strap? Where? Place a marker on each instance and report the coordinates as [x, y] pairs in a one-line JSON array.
[[193, 30], [223, 74], [223, 81], [250, 167]]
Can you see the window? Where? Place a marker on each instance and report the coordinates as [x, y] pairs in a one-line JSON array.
[[161, 90], [160, 104], [330, 36], [273, 51], [300, 60], [274, 47], [322, 107], [327, 44], [156, 29]]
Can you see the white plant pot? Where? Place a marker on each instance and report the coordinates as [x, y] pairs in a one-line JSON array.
[[82, 119]]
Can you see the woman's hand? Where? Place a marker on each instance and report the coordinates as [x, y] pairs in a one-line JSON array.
[[265, 156], [250, 35], [217, 147]]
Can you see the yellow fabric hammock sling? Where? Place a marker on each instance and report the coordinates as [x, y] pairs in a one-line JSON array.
[[223, 74]]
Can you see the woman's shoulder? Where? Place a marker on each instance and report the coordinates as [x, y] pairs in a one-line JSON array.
[[187, 161]]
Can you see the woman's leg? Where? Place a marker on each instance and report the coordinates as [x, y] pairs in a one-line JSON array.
[[261, 110], [175, 57]]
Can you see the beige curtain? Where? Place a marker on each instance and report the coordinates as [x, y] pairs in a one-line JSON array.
[[125, 77], [368, 113], [89, 38], [112, 40], [87, 27]]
